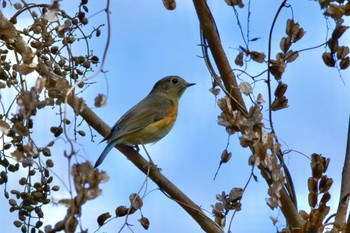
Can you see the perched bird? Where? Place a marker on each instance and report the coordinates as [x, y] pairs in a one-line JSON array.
[[149, 120]]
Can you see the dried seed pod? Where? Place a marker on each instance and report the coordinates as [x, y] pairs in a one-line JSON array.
[[312, 199], [102, 218], [338, 31], [324, 210], [239, 59], [325, 163], [220, 220], [81, 133], [291, 56], [298, 33], [289, 27], [277, 69], [280, 89], [225, 156], [325, 198], [46, 151], [344, 63], [314, 217], [303, 215], [312, 184], [285, 44], [342, 51], [144, 222], [169, 5], [325, 184], [307, 227], [328, 59], [258, 57], [121, 211], [135, 201], [279, 103], [317, 170]]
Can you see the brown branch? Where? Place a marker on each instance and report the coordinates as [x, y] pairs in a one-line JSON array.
[[344, 191], [211, 35], [8, 33], [154, 174], [13, 40], [218, 53]]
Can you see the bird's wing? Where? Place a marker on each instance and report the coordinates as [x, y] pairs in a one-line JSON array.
[[147, 111]]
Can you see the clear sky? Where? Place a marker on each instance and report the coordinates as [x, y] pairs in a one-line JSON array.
[[149, 42]]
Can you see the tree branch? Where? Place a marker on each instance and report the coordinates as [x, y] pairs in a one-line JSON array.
[[13, 40], [211, 35], [344, 191], [9, 34], [154, 174]]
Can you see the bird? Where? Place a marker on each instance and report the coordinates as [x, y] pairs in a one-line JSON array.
[[150, 119]]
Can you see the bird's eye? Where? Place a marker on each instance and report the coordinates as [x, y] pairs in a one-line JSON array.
[[175, 81]]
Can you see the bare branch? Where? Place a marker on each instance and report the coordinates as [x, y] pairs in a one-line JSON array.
[[209, 30], [344, 191]]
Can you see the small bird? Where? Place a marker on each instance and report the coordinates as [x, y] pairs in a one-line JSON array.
[[149, 120]]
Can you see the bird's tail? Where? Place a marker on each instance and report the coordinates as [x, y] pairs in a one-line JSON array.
[[104, 153]]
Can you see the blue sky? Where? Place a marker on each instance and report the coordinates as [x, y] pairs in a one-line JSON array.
[[148, 43]]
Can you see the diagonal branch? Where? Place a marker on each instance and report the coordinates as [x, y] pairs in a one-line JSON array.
[[154, 174], [8, 33], [211, 35]]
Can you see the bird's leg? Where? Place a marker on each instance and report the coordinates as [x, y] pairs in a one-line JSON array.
[[149, 157]]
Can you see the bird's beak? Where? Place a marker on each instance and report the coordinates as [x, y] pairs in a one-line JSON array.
[[190, 84]]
